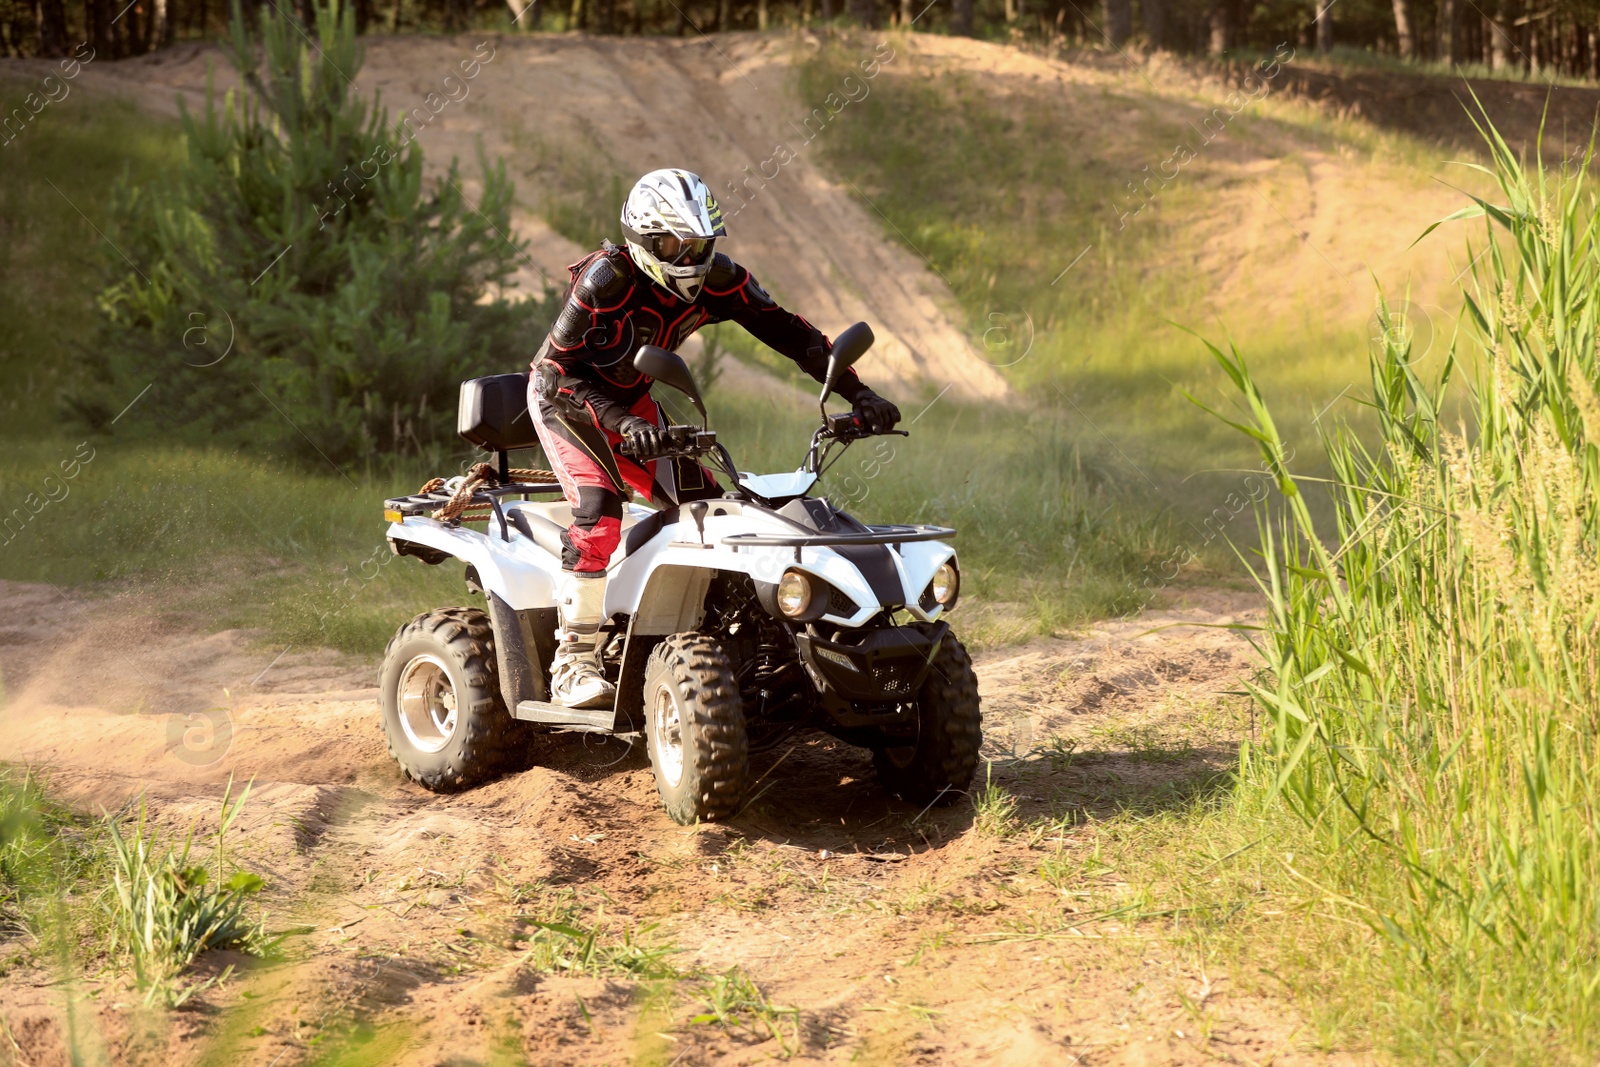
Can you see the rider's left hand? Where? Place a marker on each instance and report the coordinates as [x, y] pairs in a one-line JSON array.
[[876, 413], [645, 439]]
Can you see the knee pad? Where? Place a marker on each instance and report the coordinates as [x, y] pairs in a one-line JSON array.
[[595, 532]]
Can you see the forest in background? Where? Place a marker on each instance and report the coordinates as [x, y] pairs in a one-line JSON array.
[[1520, 38]]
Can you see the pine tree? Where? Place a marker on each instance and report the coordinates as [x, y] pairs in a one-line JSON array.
[[350, 295]]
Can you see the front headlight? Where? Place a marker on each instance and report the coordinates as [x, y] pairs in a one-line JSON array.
[[942, 591], [794, 594]]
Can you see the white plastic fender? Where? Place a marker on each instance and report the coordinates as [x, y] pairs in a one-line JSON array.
[[525, 576], [520, 572], [918, 561], [678, 546]]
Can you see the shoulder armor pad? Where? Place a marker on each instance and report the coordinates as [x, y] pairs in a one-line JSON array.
[[604, 281], [724, 274]]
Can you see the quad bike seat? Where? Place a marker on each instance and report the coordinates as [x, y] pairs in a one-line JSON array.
[[543, 522]]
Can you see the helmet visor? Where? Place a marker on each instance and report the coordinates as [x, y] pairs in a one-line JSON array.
[[681, 252]]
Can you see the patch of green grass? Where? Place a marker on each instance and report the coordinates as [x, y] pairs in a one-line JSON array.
[[239, 541], [1060, 752], [365, 1045], [994, 810], [565, 937], [113, 891], [43, 847], [599, 951], [53, 191], [733, 1001], [1144, 742], [1216, 866], [164, 909], [1349, 58]]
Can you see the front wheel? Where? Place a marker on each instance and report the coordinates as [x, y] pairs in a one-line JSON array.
[[939, 764], [695, 729], [443, 715]]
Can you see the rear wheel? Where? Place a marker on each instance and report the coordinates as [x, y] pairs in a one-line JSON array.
[[443, 715], [938, 765], [695, 729]]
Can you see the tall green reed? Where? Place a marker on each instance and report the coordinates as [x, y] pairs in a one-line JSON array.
[[1431, 702]]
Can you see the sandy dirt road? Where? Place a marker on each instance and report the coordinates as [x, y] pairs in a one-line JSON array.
[[902, 937]]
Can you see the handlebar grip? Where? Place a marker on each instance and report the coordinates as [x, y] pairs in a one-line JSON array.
[[848, 427], [680, 440]]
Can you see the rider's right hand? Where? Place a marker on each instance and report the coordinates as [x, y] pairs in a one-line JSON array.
[[644, 438], [876, 413]]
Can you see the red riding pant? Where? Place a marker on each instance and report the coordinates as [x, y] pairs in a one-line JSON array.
[[596, 478]]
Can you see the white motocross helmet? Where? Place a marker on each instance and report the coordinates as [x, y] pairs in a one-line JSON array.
[[671, 223]]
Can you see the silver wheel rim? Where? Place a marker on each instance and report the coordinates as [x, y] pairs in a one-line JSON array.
[[427, 703], [666, 730]]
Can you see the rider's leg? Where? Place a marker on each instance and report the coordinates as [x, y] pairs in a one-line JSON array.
[[578, 454], [575, 678], [594, 477]]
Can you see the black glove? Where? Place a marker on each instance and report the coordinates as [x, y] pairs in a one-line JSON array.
[[644, 438], [876, 413]]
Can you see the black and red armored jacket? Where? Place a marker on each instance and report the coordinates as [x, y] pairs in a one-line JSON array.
[[611, 308]]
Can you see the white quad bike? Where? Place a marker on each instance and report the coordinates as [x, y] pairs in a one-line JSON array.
[[731, 623]]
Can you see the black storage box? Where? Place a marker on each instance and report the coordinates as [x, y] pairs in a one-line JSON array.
[[493, 413]]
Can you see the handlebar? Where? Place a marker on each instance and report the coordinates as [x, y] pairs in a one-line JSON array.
[[684, 441], [694, 442], [847, 426]]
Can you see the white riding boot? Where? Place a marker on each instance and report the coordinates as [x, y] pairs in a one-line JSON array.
[[575, 680]]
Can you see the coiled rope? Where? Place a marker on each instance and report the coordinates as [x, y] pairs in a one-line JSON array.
[[460, 506]]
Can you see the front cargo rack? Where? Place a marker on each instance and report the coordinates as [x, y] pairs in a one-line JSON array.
[[894, 535]]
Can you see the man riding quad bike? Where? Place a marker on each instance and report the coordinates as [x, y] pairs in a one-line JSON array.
[[719, 623], [588, 401]]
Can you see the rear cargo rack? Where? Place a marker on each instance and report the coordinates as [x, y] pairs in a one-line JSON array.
[[486, 497], [423, 503]]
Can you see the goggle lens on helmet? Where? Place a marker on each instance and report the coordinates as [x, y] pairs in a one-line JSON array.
[[671, 248]]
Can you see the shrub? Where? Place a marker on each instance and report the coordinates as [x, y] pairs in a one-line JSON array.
[[299, 284]]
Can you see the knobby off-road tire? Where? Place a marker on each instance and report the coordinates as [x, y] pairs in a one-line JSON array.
[[695, 730], [438, 660], [939, 767]]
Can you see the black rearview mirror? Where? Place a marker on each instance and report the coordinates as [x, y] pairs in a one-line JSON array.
[[848, 347], [670, 369]]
